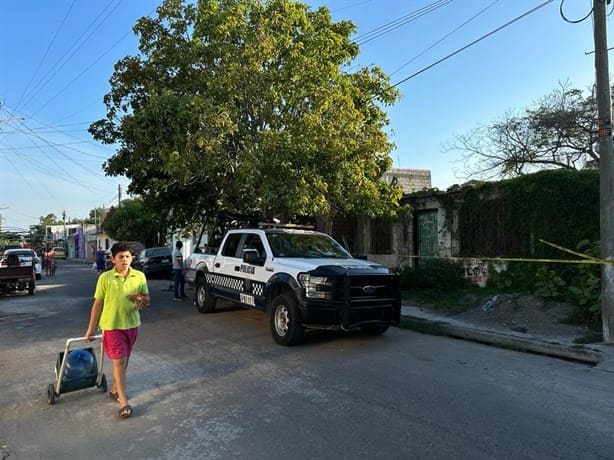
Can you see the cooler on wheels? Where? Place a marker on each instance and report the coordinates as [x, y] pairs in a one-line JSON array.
[[77, 368]]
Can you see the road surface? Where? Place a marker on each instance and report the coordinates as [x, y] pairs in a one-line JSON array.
[[217, 387]]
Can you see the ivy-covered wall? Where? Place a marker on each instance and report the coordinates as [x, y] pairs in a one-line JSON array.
[[508, 218]]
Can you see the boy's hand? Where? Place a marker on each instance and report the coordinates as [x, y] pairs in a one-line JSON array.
[[139, 300], [88, 336]]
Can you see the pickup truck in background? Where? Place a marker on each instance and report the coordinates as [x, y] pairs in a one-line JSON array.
[[16, 275], [303, 279]]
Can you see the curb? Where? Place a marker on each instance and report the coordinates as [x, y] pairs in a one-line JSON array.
[[579, 353]]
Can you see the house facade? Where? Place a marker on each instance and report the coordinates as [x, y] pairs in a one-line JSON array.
[[383, 240]]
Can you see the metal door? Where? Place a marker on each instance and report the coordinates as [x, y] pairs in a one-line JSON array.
[[427, 233]]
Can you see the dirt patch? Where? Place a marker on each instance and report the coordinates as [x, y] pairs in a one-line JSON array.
[[524, 313]]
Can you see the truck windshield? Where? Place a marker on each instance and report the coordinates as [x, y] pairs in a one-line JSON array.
[[305, 245]]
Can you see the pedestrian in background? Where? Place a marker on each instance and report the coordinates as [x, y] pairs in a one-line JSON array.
[[49, 262], [120, 295], [100, 255], [179, 278]]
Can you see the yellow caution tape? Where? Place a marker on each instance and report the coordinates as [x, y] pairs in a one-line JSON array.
[[561, 248], [515, 259], [586, 259]]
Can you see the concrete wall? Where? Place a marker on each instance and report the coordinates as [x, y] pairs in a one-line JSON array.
[[410, 180]]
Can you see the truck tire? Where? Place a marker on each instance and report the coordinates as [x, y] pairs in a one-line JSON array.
[[202, 296], [286, 326]]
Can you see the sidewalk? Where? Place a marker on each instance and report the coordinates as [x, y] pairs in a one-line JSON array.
[[428, 322]]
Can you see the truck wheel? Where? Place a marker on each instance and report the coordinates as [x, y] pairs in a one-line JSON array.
[[286, 326], [202, 297], [374, 329]]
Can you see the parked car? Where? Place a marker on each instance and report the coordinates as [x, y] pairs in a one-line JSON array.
[[155, 262], [59, 253], [26, 257]]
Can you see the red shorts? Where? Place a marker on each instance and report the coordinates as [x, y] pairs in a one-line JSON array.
[[118, 343]]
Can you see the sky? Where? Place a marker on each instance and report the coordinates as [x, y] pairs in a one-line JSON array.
[[56, 58]]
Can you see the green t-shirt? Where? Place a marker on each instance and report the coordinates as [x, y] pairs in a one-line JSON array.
[[118, 310]]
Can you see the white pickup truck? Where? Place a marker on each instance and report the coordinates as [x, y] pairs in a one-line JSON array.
[[302, 279]]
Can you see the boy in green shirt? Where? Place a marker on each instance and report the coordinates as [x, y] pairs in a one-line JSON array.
[[120, 294]]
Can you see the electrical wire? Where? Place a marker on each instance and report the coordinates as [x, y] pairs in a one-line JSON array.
[[77, 46], [352, 5], [399, 22], [443, 38], [454, 53], [576, 21], [66, 144], [46, 52], [83, 72], [66, 133], [24, 129]]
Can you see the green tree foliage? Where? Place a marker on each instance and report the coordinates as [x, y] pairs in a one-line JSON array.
[[134, 221], [249, 106], [559, 132]]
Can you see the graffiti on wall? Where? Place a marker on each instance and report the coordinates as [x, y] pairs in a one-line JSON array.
[[476, 271]]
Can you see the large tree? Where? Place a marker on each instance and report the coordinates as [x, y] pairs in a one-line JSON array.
[[249, 106], [135, 221], [558, 132]]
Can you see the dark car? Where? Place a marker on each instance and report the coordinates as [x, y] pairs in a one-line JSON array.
[[155, 262]]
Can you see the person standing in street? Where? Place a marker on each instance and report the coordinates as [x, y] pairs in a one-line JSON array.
[[120, 295], [178, 277], [49, 262], [100, 255]]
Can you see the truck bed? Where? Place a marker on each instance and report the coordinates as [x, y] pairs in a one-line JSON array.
[[17, 279], [16, 273]]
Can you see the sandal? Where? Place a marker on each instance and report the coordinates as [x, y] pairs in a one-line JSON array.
[[114, 396], [125, 411]]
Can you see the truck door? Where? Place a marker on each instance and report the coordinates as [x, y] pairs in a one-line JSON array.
[[254, 271], [225, 281]]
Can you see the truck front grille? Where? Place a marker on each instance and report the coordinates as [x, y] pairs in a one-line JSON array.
[[371, 299]]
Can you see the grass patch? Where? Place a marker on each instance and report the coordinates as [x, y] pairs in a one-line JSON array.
[[450, 301], [590, 337]]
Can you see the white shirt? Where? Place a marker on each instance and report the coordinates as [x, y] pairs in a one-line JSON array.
[[177, 260]]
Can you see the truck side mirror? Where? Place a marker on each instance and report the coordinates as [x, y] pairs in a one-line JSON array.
[[251, 256]]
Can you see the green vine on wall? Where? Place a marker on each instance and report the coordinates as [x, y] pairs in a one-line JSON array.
[[508, 218]]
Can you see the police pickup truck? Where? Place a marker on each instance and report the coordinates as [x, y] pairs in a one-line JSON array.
[[303, 279]]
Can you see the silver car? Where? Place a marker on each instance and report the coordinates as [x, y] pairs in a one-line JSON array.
[[26, 257]]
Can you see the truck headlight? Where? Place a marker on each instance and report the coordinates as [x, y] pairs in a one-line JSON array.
[[316, 287]]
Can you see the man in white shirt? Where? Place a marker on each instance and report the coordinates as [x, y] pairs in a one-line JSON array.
[[179, 285]]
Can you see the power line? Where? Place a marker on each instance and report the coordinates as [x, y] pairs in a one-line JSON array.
[[399, 22], [32, 135], [424, 69], [573, 21], [445, 37], [46, 52], [352, 5], [69, 84], [66, 133], [51, 144], [77, 46]]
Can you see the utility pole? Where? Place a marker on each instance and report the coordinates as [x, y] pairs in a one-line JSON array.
[[119, 196], [606, 168]]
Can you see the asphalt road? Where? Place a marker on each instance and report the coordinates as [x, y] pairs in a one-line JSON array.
[[217, 387]]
